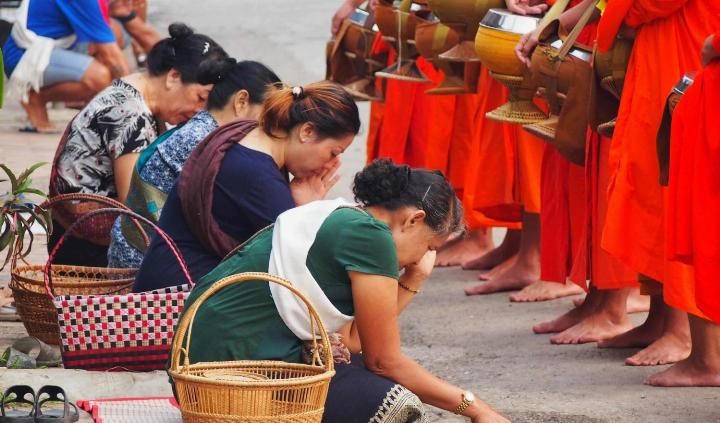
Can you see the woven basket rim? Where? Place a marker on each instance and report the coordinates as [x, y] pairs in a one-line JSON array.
[[18, 276], [321, 376]]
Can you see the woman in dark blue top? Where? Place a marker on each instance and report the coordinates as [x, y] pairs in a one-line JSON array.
[[236, 181]]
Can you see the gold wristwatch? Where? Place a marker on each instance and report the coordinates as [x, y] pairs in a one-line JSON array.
[[467, 399]]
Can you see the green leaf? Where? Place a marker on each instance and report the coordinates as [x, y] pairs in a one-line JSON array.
[[40, 216], [13, 180], [35, 191], [7, 234], [27, 227], [29, 171], [8, 256]]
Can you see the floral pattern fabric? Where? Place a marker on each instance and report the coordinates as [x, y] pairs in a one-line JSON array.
[[161, 170], [116, 122]]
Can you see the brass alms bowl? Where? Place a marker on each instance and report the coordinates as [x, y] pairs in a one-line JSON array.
[[497, 36], [466, 14]]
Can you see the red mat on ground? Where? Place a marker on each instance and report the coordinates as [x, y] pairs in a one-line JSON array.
[[130, 410]]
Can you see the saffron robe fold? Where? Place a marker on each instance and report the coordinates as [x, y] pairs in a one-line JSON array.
[[693, 197], [667, 44]]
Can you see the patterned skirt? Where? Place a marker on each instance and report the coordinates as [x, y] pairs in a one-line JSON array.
[[358, 395]]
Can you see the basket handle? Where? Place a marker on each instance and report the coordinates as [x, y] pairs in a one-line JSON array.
[[107, 201], [170, 243], [185, 324]]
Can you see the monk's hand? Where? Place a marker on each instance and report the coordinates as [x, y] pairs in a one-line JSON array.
[[314, 187], [525, 47], [527, 7], [708, 52], [343, 12]]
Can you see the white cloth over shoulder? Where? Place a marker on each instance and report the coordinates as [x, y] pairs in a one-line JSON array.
[[28, 73], [293, 234]]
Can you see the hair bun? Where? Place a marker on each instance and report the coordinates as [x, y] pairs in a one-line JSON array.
[[380, 182], [179, 30]]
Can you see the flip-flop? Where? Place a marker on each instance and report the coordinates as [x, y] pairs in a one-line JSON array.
[[14, 396], [33, 130], [54, 415], [21, 354]]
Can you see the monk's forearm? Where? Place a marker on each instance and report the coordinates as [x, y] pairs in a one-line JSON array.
[[570, 18]]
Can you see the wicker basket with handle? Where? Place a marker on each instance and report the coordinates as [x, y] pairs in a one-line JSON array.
[[250, 390], [27, 282]]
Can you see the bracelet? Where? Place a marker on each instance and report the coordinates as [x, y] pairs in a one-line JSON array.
[[127, 18], [407, 288]]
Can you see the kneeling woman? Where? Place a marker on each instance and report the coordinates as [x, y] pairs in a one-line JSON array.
[[236, 181], [239, 95], [349, 267]]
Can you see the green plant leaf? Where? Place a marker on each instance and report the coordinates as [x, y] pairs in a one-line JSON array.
[[35, 191], [13, 180], [7, 234], [42, 217], [27, 172], [26, 227]]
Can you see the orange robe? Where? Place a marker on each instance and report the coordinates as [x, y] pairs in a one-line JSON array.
[[592, 262], [562, 210], [693, 197], [437, 132], [412, 127], [490, 172], [667, 44]]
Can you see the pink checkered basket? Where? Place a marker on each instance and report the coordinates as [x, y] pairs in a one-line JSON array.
[[120, 331]]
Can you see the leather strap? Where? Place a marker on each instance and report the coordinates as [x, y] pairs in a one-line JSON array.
[[557, 59]]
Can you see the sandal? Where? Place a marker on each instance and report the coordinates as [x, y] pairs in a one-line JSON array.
[[30, 353], [64, 415], [16, 414]]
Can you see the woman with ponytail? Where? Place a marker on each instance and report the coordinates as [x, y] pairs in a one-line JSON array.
[[360, 266], [98, 151], [237, 180], [239, 95]]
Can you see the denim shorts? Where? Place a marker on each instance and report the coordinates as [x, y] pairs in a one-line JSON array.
[[65, 66]]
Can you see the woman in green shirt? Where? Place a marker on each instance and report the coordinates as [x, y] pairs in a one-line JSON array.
[[354, 255]]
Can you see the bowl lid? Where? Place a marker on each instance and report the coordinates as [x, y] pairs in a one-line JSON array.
[[581, 54], [507, 21]]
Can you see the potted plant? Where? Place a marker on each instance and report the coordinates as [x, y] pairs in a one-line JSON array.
[[19, 209]]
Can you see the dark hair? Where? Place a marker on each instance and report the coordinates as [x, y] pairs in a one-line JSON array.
[[385, 184], [254, 77], [325, 104], [197, 57]]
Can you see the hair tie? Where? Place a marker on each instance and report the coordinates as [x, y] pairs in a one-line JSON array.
[[297, 91], [206, 48]]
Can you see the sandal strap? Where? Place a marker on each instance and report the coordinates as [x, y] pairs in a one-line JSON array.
[[20, 392], [53, 393]]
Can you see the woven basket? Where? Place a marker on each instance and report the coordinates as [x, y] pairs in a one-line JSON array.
[[248, 390], [37, 310], [35, 306]]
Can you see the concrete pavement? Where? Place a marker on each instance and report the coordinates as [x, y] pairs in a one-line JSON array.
[[481, 343]]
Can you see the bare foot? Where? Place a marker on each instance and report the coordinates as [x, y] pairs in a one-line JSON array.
[[563, 322], [637, 303], [545, 291], [685, 373], [669, 348], [597, 326], [37, 113], [517, 276], [640, 337], [486, 275], [462, 249], [509, 247]]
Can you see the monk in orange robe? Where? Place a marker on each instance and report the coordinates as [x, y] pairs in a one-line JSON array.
[[669, 32], [691, 224], [562, 196]]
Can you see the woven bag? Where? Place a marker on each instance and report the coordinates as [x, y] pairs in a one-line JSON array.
[[122, 331], [28, 284]]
